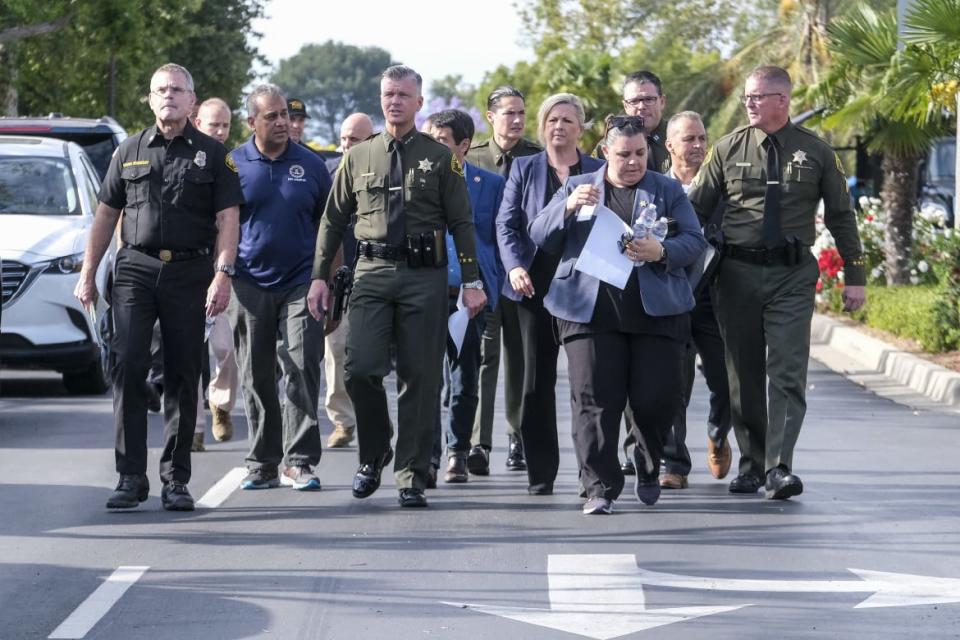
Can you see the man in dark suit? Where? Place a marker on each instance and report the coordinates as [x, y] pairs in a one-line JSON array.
[[455, 129]]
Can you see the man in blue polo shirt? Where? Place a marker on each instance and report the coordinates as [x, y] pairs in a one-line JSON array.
[[285, 187]]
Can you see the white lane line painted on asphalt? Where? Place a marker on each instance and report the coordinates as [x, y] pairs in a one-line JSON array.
[[222, 490], [98, 603]]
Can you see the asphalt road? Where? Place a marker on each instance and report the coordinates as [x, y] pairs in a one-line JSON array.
[[485, 560]]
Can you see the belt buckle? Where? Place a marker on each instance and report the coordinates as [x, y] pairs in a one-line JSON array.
[[166, 255]]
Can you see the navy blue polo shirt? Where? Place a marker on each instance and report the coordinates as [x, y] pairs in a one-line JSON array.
[[278, 224]]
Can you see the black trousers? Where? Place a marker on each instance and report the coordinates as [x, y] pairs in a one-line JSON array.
[[608, 371], [145, 290], [538, 406], [705, 340]]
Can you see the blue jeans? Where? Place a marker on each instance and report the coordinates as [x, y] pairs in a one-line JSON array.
[[460, 392]]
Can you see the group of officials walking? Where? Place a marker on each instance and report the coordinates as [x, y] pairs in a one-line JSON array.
[[431, 223]]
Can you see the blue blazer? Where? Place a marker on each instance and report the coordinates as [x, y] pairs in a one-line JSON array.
[[486, 192], [664, 288], [522, 201]]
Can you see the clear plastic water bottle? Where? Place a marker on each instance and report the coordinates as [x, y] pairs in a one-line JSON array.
[[659, 229]]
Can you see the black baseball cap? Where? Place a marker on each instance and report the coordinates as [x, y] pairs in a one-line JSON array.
[[295, 107]]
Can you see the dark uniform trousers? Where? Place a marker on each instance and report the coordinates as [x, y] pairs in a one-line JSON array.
[[766, 331], [392, 302], [146, 289], [500, 323], [611, 370], [705, 339], [292, 432]]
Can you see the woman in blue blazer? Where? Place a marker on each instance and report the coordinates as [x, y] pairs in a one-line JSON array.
[[622, 345], [533, 181]]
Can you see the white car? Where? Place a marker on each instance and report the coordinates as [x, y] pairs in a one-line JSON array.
[[48, 196]]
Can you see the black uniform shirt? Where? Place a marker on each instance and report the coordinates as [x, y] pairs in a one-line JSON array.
[[170, 190]]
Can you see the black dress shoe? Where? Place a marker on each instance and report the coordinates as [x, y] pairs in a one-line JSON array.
[[745, 483], [154, 397], [515, 458], [627, 467], [412, 498], [456, 469], [367, 479], [541, 489], [175, 497], [478, 462], [781, 484], [130, 492]]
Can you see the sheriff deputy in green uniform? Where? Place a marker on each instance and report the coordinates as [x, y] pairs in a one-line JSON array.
[[772, 175], [405, 189]]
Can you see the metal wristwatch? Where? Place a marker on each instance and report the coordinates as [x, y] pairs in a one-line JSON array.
[[476, 284], [227, 269]]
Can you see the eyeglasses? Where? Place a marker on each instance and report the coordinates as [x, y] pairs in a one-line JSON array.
[[757, 97], [645, 100], [622, 122], [172, 89]]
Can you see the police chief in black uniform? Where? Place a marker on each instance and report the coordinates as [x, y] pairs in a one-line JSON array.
[[179, 197]]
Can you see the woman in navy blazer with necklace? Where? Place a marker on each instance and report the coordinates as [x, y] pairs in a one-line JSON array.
[[533, 181], [621, 345]]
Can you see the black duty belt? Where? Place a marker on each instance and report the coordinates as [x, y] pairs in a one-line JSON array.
[[172, 255], [756, 256], [368, 249]]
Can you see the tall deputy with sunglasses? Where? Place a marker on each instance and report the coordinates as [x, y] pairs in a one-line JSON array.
[[624, 346], [772, 175], [179, 195]]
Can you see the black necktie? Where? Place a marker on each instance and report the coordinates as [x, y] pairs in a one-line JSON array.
[[504, 160], [396, 229], [772, 229]]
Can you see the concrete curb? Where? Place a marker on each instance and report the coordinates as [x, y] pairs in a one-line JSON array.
[[869, 355]]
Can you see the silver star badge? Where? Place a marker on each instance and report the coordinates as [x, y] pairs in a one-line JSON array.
[[425, 165], [200, 159], [799, 157]]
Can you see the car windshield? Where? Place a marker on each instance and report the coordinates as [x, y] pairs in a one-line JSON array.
[[100, 152], [41, 186], [943, 157]]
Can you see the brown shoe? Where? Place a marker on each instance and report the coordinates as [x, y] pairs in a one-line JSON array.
[[222, 423], [456, 469], [673, 481], [198, 442], [341, 437], [718, 460]]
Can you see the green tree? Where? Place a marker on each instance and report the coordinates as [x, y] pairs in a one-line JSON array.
[[334, 80], [859, 91], [452, 86], [100, 62]]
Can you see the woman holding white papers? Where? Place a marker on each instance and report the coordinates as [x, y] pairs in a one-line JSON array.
[[624, 342], [533, 181]]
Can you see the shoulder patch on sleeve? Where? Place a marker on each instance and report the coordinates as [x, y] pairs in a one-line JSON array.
[[456, 165], [228, 160]]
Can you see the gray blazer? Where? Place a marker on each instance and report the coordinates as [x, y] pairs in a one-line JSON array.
[[664, 288]]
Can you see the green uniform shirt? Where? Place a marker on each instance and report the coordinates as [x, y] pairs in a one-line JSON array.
[[434, 195], [488, 155], [658, 157], [735, 171]]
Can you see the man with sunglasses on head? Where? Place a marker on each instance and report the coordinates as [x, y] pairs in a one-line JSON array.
[[772, 176]]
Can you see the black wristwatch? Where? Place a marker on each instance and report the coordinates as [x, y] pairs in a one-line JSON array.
[[227, 269]]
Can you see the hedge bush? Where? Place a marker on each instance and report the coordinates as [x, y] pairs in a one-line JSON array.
[[912, 311]]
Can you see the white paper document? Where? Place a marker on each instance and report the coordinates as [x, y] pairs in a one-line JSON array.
[[457, 323], [600, 256]]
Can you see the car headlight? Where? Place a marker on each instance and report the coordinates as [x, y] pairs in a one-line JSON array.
[[66, 264]]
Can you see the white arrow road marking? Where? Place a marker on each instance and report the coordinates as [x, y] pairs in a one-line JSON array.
[[888, 589], [219, 492], [98, 603], [597, 596]]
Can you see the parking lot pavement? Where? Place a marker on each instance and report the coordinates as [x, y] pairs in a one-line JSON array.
[[868, 550]]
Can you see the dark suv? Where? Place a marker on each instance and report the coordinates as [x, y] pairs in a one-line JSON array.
[[98, 137]]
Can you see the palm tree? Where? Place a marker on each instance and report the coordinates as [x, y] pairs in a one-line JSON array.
[[865, 91]]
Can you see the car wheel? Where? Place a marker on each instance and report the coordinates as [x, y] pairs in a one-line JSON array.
[[95, 379]]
